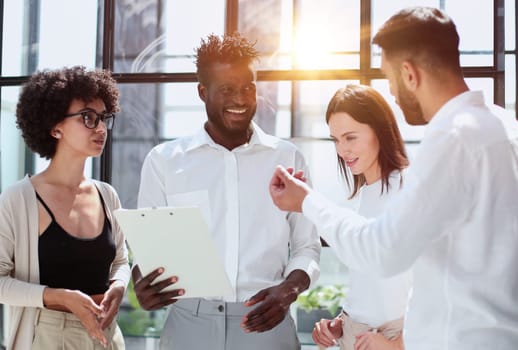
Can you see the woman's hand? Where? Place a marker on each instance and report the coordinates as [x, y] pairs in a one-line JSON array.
[[327, 331], [81, 305], [111, 303]]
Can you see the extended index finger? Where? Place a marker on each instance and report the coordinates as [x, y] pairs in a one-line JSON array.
[[136, 274], [145, 281]]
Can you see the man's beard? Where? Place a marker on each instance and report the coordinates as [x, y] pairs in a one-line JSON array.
[[410, 105]]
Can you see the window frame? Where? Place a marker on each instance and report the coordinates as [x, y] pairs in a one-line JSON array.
[[364, 74]]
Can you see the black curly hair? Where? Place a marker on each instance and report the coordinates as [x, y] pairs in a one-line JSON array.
[[230, 48], [46, 97]]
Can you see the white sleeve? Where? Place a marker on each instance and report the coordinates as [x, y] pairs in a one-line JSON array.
[[120, 269], [433, 202], [304, 240], [16, 291], [152, 182]]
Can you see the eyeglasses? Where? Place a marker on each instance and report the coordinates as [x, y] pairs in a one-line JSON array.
[[91, 118]]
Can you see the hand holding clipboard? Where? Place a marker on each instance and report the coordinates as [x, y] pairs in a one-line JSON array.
[[177, 239]]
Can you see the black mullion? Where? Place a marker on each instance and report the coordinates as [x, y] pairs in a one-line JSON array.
[[365, 41], [33, 14], [499, 52], [515, 59], [294, 86], [231, 16], [107, 63]]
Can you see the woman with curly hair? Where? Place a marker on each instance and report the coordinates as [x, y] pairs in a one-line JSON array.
[[63, 261]]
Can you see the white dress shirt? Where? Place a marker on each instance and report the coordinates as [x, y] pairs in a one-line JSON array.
[[456, 222], [259, 244], [372, 299]]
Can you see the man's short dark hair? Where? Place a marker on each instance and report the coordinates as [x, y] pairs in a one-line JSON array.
[[230, 48], [423, 34]]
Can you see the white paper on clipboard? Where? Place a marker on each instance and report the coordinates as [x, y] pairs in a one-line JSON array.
[[176, 238]]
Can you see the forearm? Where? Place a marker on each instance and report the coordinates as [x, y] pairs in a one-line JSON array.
[[383, 246], [20, 293], [304, 247], [55, 297], [296, 282], [62, 299]]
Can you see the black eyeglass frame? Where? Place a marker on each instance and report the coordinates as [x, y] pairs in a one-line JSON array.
[[107, 118]]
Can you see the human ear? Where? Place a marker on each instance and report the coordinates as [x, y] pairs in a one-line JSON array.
[[202, 92], [56, 134], [410, 75]]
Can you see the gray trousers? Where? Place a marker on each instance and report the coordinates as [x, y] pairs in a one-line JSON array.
[[198, 324]]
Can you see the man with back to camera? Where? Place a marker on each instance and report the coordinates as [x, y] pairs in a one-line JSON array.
[[455, 221], [270, 256]]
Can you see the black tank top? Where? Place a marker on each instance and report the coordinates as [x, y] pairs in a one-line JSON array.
[[75, 263]]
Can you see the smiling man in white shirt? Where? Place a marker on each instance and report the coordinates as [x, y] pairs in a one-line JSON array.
[[270, 256], [456, 220]]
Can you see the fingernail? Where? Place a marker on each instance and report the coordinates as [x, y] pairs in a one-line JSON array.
[[181, 292]]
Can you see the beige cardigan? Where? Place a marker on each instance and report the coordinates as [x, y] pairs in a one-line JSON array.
[[19, 268]]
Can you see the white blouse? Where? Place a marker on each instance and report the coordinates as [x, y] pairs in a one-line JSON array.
[[372, 299]]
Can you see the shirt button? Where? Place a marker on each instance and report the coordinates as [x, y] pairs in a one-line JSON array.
[[221, 308]]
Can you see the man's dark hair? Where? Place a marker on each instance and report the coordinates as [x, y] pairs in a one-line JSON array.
[[422, 34], [46, 97], [230, 48]]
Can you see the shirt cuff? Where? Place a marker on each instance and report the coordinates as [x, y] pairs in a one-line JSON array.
[[306, 264], [36, 295], [123, 274]]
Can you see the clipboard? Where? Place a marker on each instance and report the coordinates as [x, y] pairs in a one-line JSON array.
[[176, 238]]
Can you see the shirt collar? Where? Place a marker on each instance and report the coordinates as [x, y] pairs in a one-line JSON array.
[[467, 98], [258, 139]]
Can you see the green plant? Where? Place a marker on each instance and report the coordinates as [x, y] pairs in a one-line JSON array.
[[322, 297]]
